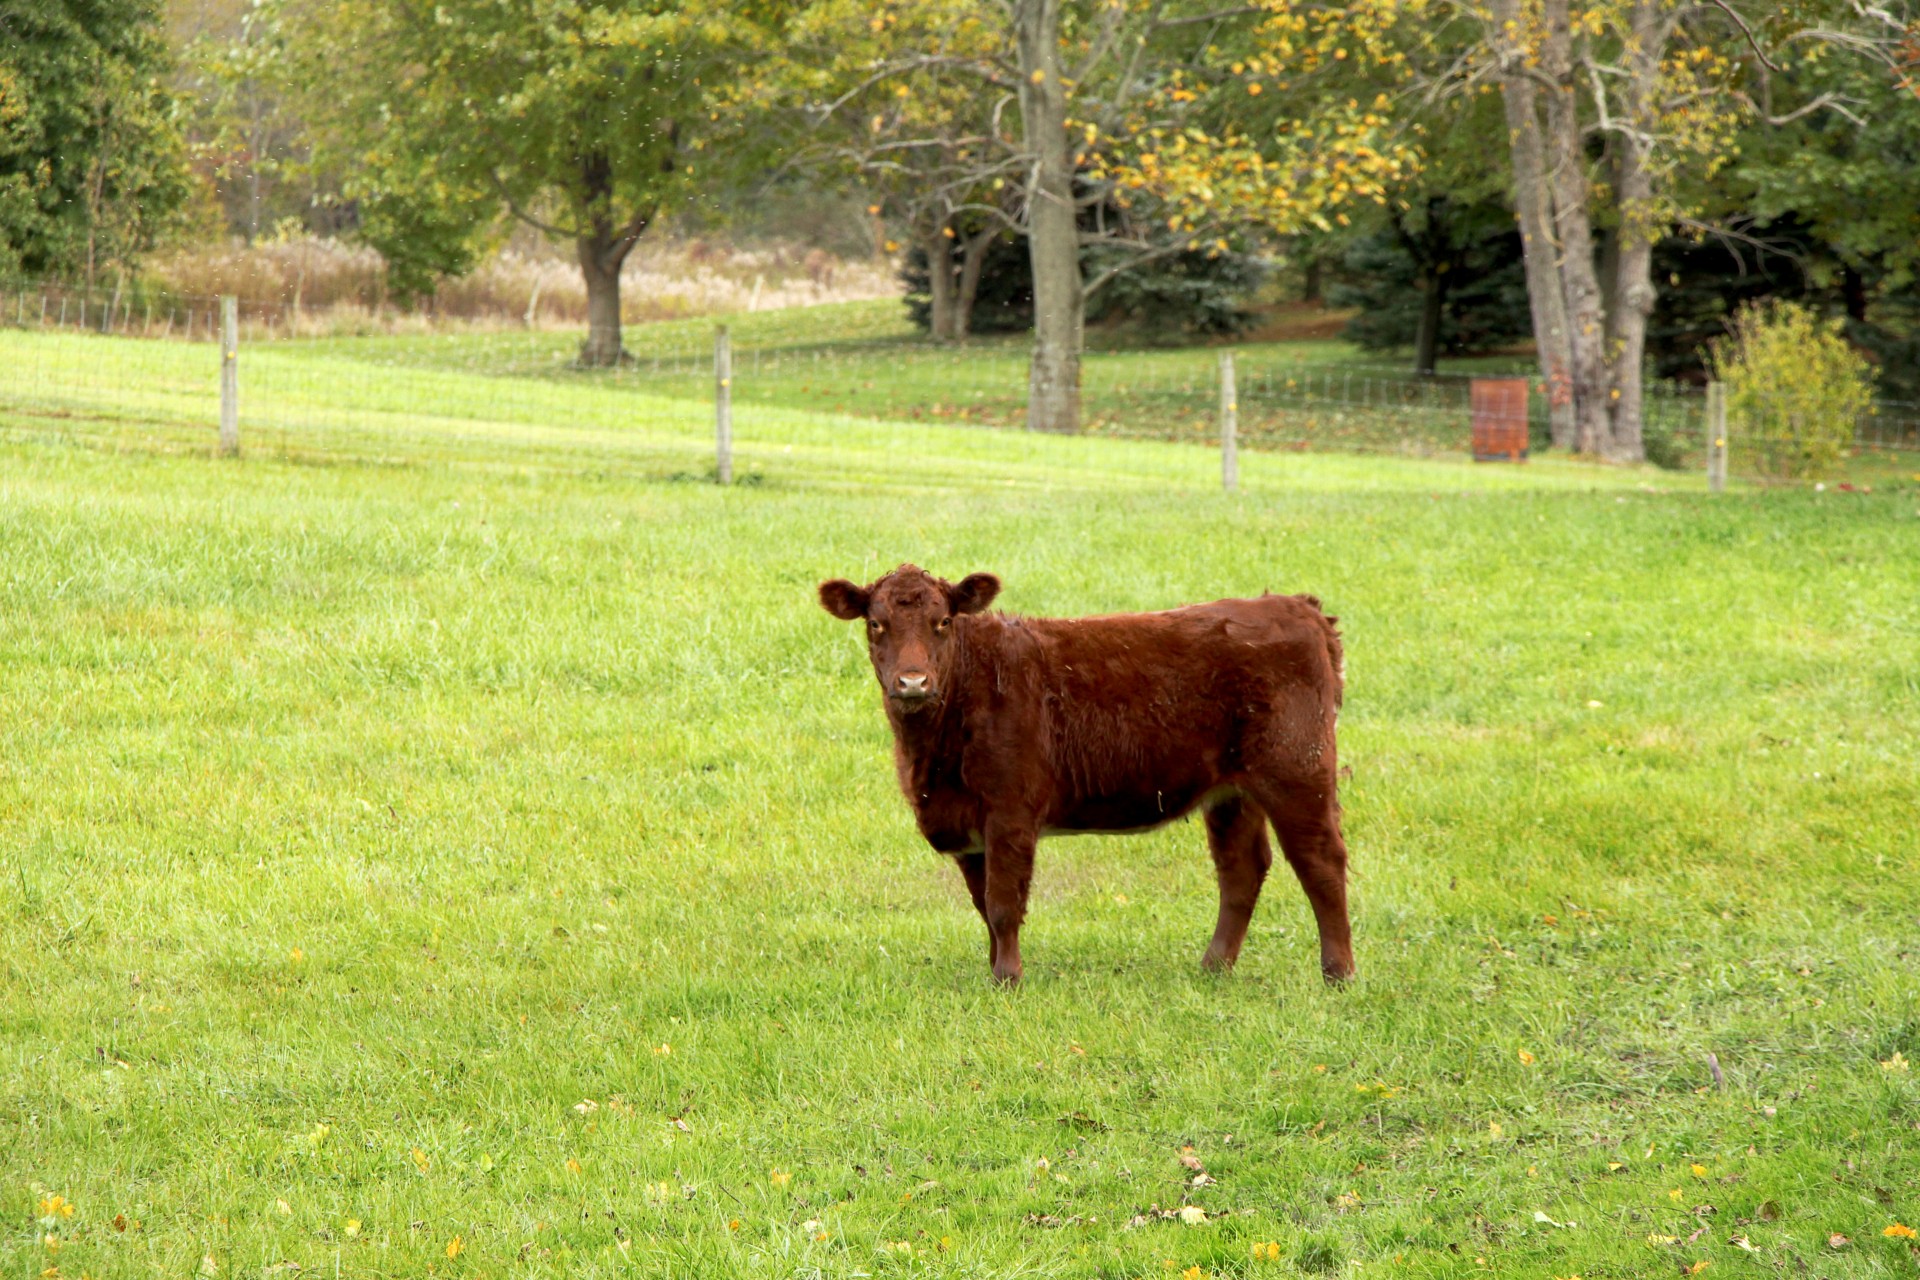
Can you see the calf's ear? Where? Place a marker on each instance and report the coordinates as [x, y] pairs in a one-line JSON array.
[[844, 600], [973, 593]]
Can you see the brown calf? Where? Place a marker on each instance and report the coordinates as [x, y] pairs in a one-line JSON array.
[[1006, 729]]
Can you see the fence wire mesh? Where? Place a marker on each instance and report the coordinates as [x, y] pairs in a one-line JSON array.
[[120, 361]]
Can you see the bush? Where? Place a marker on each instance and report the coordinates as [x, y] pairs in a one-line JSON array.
[[1795, 389]]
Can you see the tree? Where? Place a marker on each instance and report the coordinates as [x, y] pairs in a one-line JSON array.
[[584, 120], [1613, 108], [902, 99], [1441, 277], [92, 170]]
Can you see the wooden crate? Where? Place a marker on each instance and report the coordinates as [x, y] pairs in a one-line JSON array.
[[1499, 419]]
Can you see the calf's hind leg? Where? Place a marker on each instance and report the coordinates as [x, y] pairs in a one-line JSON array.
[[1307, 820], [1237, 834]]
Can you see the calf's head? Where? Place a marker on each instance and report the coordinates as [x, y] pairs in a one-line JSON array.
[[909, 615]]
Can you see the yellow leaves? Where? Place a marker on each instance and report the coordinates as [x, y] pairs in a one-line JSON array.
[[318, 1135], [284, 1208], [296, 955], [1193, 1273], [55, 1207], [1253, 90], [1659, 1241], [573, 1166], [1193, 1215], [1038, 77], [1897, 1062], [1697, 1170], [420, 1161], [1676, 1194], [1527, 1059], [659, 1192], [1699, 1266], [780, 1177], [1266, 1251], [1899, 1231], [455, 1247], [352, 1228]]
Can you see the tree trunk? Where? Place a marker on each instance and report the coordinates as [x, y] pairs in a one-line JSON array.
[[1566, 173], [1633, 295], [600, 267], [973, 258], [1853, 294], [1310, 282], [603, 249], [1426, 344], [1053, 233], [941, 319], [1533, 209]]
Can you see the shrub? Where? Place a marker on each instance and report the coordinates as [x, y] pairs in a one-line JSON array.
[[1795, 389]]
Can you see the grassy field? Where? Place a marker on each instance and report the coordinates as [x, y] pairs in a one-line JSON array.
[[452, 839]]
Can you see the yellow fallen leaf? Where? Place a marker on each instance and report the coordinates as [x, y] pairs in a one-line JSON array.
[[454, 1248], [420, 1160], [1698, 1170], [1675, 1194], [1899, 1231], [780, 1177], [283, 1206], [353, 1226], [1526, 1058], [1193, 1273], [573, 1166], [1699, 1266]]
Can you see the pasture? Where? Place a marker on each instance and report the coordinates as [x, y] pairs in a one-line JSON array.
[[466, 846]]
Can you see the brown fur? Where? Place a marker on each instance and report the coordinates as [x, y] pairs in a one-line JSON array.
[[1007, 729]]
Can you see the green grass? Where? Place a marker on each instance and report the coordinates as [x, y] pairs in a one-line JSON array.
[[380, 808], [863, 359]]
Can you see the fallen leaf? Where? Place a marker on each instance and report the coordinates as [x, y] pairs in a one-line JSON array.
[[1769, 1211], [1191, 1161], [454, 1248], [1526, 1058], [1899, 1231], [1837, 1241], [1741, 1242], [1193, 1215]]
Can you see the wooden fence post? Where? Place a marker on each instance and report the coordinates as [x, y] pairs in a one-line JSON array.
[[723, 404], [1229, 426], [1716, 437], [229, 376]]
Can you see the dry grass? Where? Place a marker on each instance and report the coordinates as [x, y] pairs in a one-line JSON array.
[[326, 287]]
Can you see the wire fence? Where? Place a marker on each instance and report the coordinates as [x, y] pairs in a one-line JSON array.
[[305, 388]]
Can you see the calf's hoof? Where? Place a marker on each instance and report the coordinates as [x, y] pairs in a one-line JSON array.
[[1215, 962], [1006, 975], [1337, 975]]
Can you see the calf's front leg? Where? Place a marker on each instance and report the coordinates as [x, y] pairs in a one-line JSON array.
[[973, 866], [1009, 873]]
